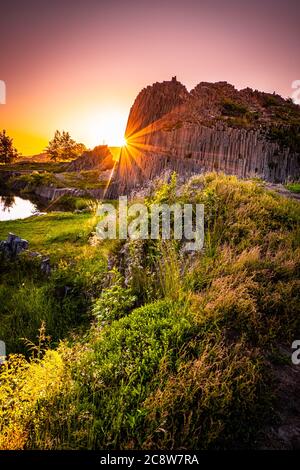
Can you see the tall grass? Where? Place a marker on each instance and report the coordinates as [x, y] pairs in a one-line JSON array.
[[179, 350]]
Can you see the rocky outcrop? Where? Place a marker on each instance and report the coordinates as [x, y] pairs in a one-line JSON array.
[[153, 103], [51, 193], [213, 128], [13, 246], [100, 158]]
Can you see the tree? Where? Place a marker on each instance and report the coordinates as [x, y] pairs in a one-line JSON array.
[[8, 152], [63, 147]]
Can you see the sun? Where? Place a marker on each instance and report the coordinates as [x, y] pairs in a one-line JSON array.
[[111, 128], [101, 127]]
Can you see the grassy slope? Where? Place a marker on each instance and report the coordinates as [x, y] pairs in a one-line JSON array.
[[53, 167], [180, 358], [27, 297], [58, 234], [33, 175]]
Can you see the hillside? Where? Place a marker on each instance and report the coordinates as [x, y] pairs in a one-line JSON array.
[[150, 347]]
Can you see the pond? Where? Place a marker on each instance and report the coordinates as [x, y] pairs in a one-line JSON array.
[[15, 207]]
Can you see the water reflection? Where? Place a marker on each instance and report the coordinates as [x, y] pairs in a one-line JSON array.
[[15, 207]]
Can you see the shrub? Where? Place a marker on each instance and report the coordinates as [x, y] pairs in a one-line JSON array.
[[24, 387], [233, 109], [114, 301], [286, 136], [73, 203], [30, 182]]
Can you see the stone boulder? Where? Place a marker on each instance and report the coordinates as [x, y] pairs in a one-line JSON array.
[[13, 246]]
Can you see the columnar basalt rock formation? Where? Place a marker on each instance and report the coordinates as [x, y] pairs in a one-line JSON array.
[[99, 158], [212, 128]]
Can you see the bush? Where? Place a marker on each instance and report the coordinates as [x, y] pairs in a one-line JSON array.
[[30, 182], [233, 109], [72, 203], [286, 136], [114, 302], [24, 388]]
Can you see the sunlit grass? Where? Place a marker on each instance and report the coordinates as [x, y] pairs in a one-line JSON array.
[[179, 357], [57, 234]]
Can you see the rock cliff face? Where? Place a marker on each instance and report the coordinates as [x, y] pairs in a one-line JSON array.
[[212, 128], [99, 158]]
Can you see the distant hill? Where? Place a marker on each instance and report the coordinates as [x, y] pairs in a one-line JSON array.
[[39, 158], [43, 157]]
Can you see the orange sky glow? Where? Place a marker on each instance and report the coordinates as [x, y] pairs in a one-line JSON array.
[[78, 66]]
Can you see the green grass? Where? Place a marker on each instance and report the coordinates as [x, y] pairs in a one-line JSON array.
[[28, 182], [52, 167], [74, 203], [63, 300], [57, 234], [181, 357], [34, 176], [294, 187], [82, 180]]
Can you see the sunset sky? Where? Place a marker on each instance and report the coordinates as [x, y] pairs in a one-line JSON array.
[[78, 65]]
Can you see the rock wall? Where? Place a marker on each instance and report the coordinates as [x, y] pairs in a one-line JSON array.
[[169, 128], [52, 193], [100, 158]]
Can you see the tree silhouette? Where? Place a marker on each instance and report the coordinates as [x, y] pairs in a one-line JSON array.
[[63, 147], [8, 152], [7, 201]]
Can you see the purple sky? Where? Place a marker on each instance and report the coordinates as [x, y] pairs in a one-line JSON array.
[[78, 65]]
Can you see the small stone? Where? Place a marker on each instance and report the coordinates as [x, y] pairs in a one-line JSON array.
[[46, 267]]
